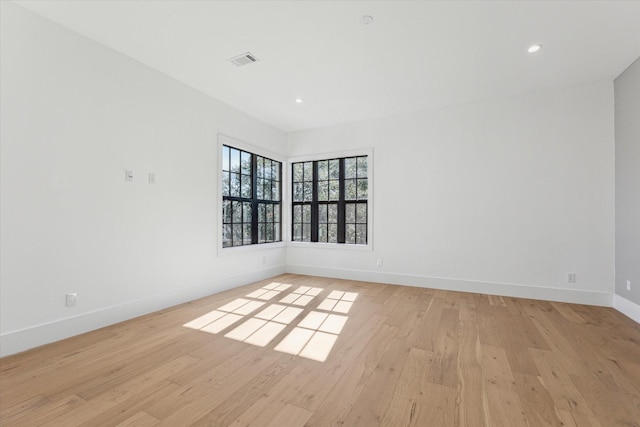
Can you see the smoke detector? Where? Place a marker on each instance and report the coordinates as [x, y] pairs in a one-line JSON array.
[[244, 59], [366, 19]]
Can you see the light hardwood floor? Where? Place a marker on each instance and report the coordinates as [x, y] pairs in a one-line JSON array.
[[405, 356]]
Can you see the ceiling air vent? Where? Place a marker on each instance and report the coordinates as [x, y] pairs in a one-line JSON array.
[[244, 59]]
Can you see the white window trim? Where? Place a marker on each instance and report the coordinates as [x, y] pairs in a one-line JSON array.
[[332, 246], [236, 143]]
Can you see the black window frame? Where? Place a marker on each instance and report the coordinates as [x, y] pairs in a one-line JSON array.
[[252, 202], [320, 208]]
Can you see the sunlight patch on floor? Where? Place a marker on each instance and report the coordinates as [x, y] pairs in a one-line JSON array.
[[301, 296], [312, 338], [269, 291], [338, 301]]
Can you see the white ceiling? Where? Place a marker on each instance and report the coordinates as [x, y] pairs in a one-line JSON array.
[[416, 54]]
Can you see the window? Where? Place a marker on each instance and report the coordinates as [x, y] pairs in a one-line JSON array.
[[251, 207], [330, 200]]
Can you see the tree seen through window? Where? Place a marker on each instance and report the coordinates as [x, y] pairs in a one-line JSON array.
[[251, 202], [329, 200]]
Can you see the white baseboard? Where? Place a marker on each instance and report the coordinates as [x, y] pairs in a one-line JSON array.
[[626, 307], [24, 339], [491, 288], [20, 340]]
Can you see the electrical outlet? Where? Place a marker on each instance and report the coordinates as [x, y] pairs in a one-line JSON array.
[[152, 178], [379, 262], [72, 299], [571, 277], [128, 176], [628, 285]]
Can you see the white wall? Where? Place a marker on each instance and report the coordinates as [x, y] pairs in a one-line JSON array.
[[75, 115], [504, 197], [627, 129]]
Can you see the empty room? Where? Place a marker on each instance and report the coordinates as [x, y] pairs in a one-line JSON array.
[[317, 213]]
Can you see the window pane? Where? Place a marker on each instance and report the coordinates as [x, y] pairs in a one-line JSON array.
[[297, 172], [334, 169], [322, 214], [350, 167], [261, 233], [362, 189], [333, 213], [308, 187], [237, 234], [323, 191], [322, 233], [297, 232], [226, 212], [246, 237], [361, 213], [333, 233], [276, 213], [276, 232], [297, 214], [350, 189], [225, 158], [323, 170], [276, 171], [362, 167], [350, 233], [306, 214], [298, 193], [237, 212], [361, 234], [260, 170], [275, 190], [246, 212], [260, 189], [267, 168], [235, 160], [262, 214], [226, 235], [350, 211], [308, 171], [269, 232], [246, 186], [267, 190], [306, 232], [225, 183], [269, 211], [246, 163], [334, 190], [235, 184]]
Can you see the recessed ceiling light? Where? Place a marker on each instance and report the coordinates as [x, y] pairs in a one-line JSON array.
[[366, 20], [298, 100], [534, 48]]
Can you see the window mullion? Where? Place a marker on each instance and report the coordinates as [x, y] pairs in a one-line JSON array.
[[254, 199], [341, 204], [314, 204], [293, 203]]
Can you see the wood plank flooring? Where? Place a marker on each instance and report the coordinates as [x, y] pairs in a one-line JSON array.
[[405, 357]]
